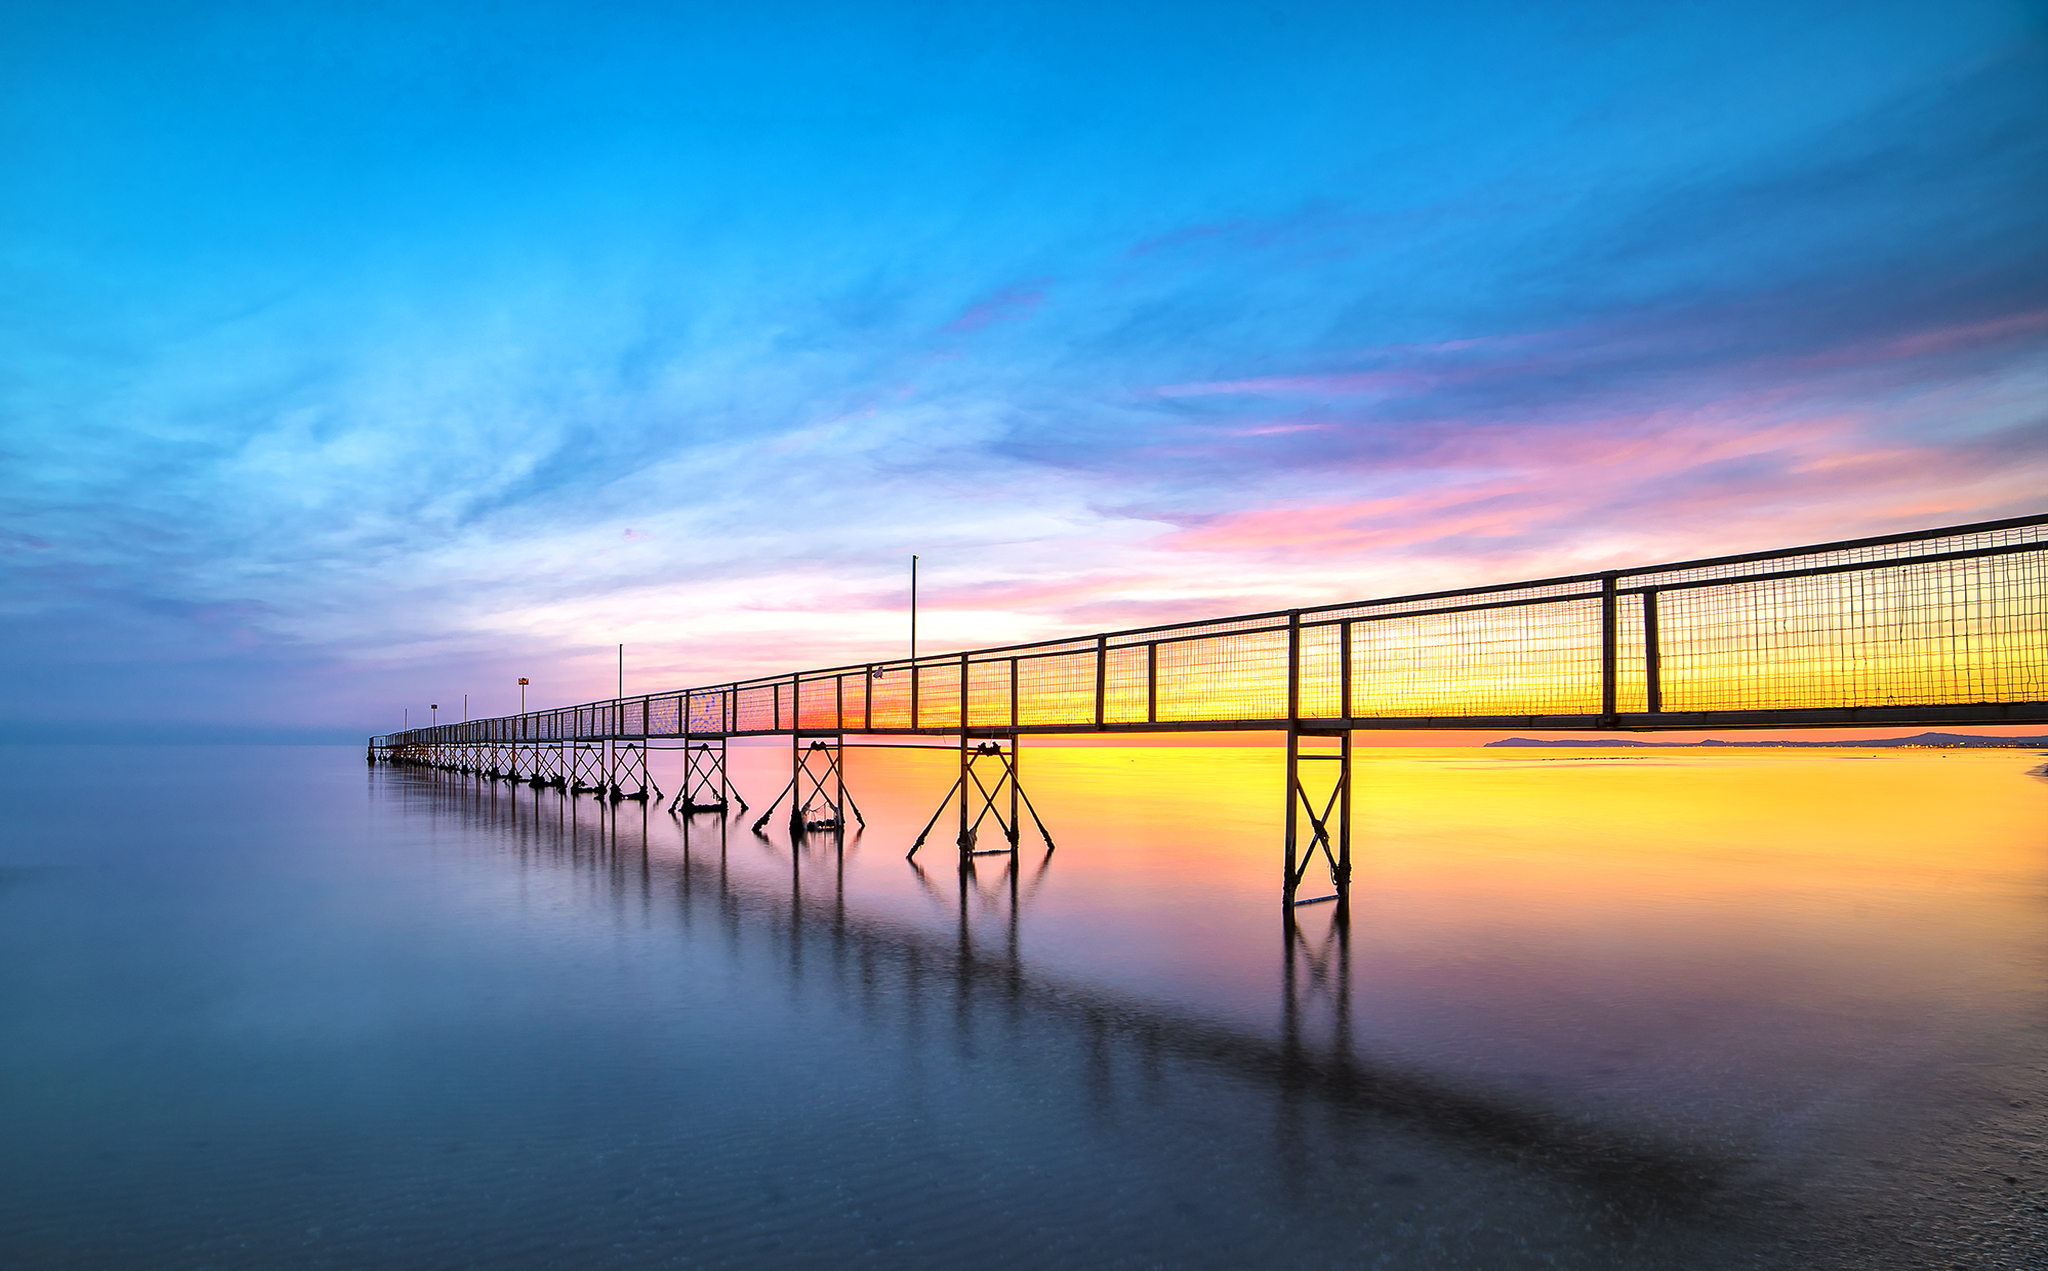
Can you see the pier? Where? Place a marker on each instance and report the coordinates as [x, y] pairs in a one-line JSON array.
[[1940, 627]]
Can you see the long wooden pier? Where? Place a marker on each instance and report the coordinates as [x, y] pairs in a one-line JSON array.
[[1944, 626]]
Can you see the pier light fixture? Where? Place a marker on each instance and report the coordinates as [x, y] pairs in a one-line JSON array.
[[435, 716], [522, 695]]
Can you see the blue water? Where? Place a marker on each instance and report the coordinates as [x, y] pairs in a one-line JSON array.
[[264, 1008]]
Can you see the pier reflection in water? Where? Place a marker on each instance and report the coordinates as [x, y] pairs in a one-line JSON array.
[[1686, 1011]]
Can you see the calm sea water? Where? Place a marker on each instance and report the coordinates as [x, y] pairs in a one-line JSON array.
[[266, 1008]]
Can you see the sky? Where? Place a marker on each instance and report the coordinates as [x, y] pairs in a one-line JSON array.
[[362, 356]]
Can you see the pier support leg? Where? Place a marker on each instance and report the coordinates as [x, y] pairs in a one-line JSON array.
[[705, 788], [987, 781], [818, 802], [629, 764], [586, 768], [1318, 820]]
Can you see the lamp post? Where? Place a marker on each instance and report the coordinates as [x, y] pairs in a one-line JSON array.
[[913, 608], [435, 717], [522, 695]]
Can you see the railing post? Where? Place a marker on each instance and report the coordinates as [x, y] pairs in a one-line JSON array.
[[1101, 677], [1608, 646], [1344, 672], [1653, 662], [966, 777], [1293, 875], [1152, 682], [1293, 668], [1343, 879]]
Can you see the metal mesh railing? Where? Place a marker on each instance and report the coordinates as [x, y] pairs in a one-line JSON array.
[[1948, 617]]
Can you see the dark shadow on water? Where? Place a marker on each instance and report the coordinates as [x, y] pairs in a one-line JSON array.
[[1310, 1071]]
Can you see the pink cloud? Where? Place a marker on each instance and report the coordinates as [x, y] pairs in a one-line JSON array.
[[1635, 490], [1948, 339], [1300, 385], [1008, 305]]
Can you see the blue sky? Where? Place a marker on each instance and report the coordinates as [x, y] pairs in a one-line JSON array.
[[364, 356]]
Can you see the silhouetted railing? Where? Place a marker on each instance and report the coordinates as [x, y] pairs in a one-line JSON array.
[[1943, 625]]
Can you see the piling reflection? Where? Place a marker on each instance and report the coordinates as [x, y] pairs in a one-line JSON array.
[[1670, 999], [1318, 1087]]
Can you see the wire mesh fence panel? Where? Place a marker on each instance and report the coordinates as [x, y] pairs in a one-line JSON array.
[[1541, 659], [708, 712], [1056, 690], [1934, 544], [1126, 697], [988, 694], [938, 695], [1320, 694], [1631, 653], [633, 717], [665, 716], [889, 698], [1236, 676], [1943, 633], [818, 702], [755, 709]]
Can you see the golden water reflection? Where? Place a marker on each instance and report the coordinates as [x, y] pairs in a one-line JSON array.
[[1722, 942]]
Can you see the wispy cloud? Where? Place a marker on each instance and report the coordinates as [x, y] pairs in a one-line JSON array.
[[466, 388], [1011, 304]]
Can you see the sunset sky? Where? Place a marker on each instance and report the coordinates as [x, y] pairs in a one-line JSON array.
[[361, 356]]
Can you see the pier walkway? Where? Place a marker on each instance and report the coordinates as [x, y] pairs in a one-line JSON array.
[[1939, 627]]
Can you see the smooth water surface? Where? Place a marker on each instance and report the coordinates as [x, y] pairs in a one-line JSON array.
[[269, 1008]]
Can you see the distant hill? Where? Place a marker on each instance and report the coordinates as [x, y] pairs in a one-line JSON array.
[[1944, 741]]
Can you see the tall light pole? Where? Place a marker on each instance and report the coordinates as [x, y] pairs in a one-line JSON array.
[[465, 708], [522, 695], [622, 672], [913, 607], [434, 718]]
